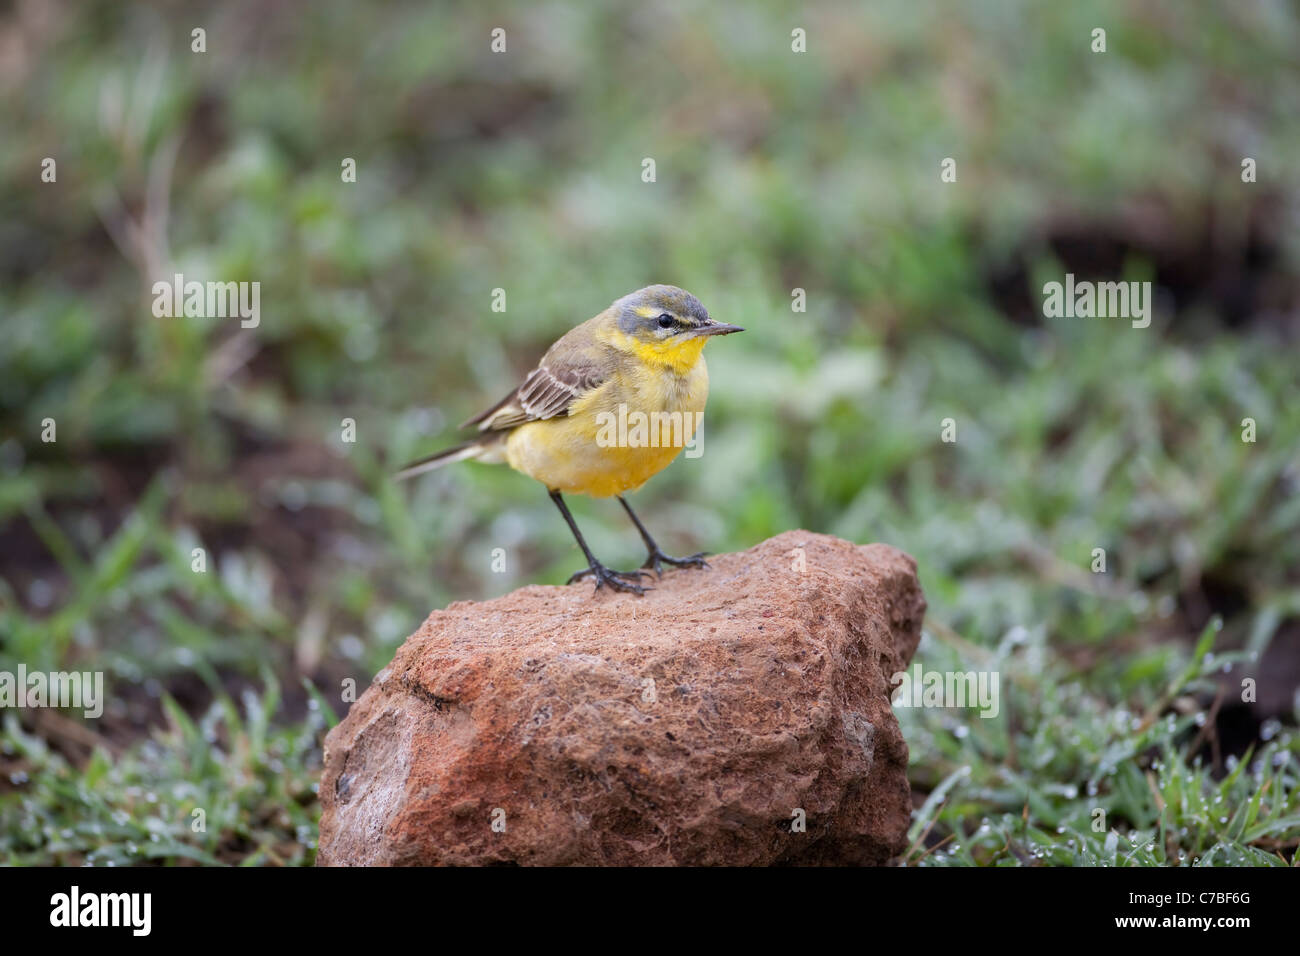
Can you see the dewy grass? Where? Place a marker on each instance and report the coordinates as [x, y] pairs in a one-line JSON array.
[[229, 788], [1085, 784]]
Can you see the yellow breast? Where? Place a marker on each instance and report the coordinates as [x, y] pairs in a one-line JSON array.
[[620, 434]]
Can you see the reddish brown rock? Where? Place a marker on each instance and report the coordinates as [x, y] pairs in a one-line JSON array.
[[684, 727]]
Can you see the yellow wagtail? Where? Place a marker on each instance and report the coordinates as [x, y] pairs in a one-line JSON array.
[[640, 359]]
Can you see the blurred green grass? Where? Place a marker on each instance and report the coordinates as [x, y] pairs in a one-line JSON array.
[[776, 171]]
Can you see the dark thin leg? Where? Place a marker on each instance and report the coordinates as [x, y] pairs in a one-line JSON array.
[[618, 580], [656, 557]]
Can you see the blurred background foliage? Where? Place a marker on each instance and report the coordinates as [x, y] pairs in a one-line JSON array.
[[775, 171]]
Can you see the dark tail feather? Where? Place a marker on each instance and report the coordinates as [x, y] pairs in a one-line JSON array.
[[470, 449]]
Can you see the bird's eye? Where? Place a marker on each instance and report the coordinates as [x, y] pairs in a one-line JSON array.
[[666, 321]]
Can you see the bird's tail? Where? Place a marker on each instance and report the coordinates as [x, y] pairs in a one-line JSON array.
[[478, 448]]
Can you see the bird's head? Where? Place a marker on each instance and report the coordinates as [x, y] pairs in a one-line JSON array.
[[665, 325]]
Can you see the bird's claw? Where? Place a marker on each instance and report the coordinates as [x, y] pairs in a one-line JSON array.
[[627, 581], [656, 558]]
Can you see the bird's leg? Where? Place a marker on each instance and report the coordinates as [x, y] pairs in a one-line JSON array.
[[657, 557], [618, 580]]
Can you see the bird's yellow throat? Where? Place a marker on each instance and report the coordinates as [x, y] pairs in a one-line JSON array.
[[680, 357]]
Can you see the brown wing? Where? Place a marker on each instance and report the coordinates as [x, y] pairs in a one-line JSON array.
[[566, 373]]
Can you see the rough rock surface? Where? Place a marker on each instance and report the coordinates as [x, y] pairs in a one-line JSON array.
[[554, 726]]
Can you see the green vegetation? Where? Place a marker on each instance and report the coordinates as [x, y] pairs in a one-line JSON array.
[[775, 171]]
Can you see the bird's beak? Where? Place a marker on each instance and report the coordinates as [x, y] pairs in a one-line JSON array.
[[717, 328]]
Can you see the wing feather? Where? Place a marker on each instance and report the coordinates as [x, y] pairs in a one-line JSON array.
[[565, 374]]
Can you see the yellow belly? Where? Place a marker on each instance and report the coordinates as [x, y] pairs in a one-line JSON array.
[[617, 437]]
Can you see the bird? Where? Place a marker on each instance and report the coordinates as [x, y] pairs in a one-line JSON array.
[[577, 421]]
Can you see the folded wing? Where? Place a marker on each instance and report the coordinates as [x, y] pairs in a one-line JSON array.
[[564, 375]]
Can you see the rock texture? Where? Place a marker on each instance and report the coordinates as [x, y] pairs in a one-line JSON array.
[[557, 726]]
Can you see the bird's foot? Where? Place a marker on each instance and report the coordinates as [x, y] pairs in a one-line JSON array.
[[627, 581], [657, 557]]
